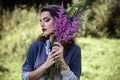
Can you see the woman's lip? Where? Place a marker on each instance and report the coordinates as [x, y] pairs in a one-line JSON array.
[[44, 29]]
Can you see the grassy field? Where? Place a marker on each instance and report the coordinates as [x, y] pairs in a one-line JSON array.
[[100, 59]]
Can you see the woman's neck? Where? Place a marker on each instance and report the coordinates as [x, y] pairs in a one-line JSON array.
[[51, 37]]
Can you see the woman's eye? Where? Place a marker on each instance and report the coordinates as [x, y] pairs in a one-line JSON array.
[[40, 20], [47, 20]]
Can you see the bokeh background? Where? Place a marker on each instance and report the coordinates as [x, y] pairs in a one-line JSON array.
[[99, 38]]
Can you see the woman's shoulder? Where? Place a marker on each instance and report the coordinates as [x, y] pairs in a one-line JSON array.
[[76, 46], [37, 43], [75, 49]]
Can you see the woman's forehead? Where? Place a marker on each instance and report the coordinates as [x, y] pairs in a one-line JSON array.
[[45, 14]]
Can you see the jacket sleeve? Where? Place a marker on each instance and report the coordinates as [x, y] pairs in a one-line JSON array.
[[74, 70], [68, 75], [28, 65], [30, 59], [25, 75]]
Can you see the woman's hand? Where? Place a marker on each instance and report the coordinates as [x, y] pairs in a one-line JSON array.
[[59, 52], [56, 55], [50, 59]]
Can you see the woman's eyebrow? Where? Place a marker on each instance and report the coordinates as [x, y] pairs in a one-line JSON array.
[[44, 18]]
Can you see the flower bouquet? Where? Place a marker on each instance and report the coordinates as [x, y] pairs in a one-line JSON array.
[[65, 30]]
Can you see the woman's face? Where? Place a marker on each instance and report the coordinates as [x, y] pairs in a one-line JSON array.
[[46, 20]]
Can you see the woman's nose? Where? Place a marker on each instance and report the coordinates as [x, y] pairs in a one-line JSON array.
[[42, 24]]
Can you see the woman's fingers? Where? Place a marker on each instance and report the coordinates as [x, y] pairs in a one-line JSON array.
[[50, 60], [57, 44], [54, 49], [56, 53], [52, 55]]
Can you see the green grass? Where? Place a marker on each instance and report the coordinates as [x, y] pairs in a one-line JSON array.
[[100, 58]]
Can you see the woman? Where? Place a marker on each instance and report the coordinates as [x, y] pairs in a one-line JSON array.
[[41, 57]]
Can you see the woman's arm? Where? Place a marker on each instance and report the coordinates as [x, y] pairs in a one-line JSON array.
[[71, 72], [28, 72], [34, 75], [68, 75]]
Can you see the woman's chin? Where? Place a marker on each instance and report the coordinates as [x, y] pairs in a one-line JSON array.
[[45, 34], [48, 34]]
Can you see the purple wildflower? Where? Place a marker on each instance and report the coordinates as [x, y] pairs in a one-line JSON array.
[[66, 29]]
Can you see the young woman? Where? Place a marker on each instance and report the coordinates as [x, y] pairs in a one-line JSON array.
[[40, 58]]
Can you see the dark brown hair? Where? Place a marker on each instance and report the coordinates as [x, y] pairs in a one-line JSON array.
[[53, 9]]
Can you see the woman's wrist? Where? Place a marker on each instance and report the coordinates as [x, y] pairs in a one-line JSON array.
[[64, 66], [45, 66]]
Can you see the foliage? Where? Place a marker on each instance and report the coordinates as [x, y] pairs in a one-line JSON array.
[[9, 5], [96, 19], [100, 18], [12, 21], [17, 34]]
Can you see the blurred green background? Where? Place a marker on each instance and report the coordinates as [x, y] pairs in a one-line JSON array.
[[99, 38]]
